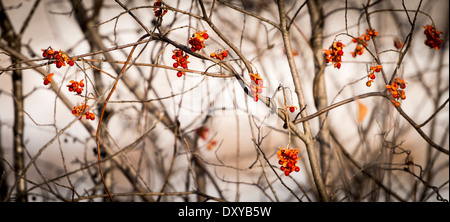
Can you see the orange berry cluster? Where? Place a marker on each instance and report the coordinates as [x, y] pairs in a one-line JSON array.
[[371, 76], [60, 57], [362, 42], [433, 39], [203, 133], [334, 54], [256, 85], [48, 79], [159, 12], [219, 54], [80, 109], [288, 160], [181, 59], [75, 86], [197, 40], [397, 90]]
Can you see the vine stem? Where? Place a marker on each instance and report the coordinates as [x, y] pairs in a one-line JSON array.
[[97, 135], [307, 139]]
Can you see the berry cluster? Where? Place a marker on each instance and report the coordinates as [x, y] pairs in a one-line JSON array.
[[197, 40], [371, 76], [60, 58], [219, 54], [433, 39], [159, 12], [256, 85], [362, 42], [203, 133], [75, 86], [181, 59], [334, 54], [288, 160], [48, 79], [77, 111], [397, 90]]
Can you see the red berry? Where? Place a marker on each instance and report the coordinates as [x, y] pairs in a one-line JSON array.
[[338, 65], [286, 173], [224, 54], [184, 65], [79, 90], [297, 169], [58, 64], [46, 82], [402, 85], [174, 57], [292, 109], [290, 165], [71, 63], [70, 89], [175, 65], [93, 117], [340, 52], [205, 35], [44, 54], [255, 98], [179, 74], [338, 44]]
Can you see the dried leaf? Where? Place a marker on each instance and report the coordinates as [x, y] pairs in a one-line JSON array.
[[362, 111]]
